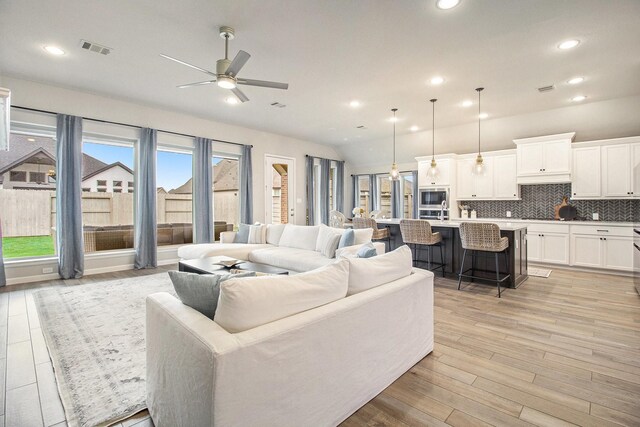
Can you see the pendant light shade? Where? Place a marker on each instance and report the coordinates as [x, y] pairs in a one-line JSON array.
[[478, 166], [433, 169], [394, 175]]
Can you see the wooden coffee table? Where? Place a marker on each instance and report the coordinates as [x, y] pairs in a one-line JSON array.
[[209, 266]]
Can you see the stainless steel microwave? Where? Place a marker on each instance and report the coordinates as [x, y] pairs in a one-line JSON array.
[[432, 198]]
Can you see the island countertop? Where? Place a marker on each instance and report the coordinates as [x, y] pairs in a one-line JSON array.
[[507, 226]]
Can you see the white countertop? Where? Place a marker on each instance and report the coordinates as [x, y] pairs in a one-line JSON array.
[[507, 226], [549, 221]]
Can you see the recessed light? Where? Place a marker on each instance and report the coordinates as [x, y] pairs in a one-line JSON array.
[[578, 98], [231, 100], [54, 50], [467, 103], [447, 4], [414, 128], [437, 80], [568, 44], [345, 139], [576, 80], [483, 115], [354, 104], [31, 139]]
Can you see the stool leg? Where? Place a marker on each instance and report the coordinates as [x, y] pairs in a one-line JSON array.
[[428, 257], [464, 255], [473, 265], [442, 258], [497, 273]]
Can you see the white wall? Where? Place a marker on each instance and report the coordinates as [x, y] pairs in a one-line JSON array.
[[116, 173]]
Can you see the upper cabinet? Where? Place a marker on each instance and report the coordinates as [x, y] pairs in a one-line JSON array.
[[544, 159], [446, 171], [497, 182], [586, 175], [505, 182]]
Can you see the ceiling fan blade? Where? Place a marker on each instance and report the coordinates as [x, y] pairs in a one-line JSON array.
[[206, 82], [211, 73], [241, 96], [238, 62], [263, 83]]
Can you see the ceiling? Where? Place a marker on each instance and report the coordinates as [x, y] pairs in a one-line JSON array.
[[381, 53]]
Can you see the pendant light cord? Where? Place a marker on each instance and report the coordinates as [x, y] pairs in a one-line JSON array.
[[480, 89], [394, 134], [433, 129]]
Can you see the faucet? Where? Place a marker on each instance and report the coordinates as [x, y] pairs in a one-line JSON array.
[[443, 206]]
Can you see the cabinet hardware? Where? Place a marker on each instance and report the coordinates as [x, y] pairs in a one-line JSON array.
[[603, 231]]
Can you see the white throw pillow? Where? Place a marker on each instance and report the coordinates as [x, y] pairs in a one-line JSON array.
[[299, 237], [327, 242], [245, 304], [257, 234], [363, 235], [367, 273], [274, 232]]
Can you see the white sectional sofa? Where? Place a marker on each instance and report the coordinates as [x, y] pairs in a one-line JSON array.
[[313, 368], [296, 252]]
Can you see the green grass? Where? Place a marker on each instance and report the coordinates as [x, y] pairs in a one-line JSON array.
[[17, 247]]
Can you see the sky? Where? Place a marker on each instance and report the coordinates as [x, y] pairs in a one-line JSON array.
[[173, 169]]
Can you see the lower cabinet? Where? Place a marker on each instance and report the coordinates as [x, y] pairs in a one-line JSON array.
[[602, 247], [548, 247]]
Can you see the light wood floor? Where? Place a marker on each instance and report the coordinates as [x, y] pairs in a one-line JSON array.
[[554, 352]]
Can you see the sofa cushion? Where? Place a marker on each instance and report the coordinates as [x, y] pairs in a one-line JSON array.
[[348, 238], [249, 302], [292, 259], [201, 291], [367, 251], [299, 236], [257, 234], [233, 250], [328, 239], [367, 273], [362, 235], [274, 232], [242, 236]]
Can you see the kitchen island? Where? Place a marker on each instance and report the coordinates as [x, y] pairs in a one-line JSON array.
[[485, 266]]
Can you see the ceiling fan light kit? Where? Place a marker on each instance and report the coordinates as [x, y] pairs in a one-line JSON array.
[[226, 75], [478, 167]]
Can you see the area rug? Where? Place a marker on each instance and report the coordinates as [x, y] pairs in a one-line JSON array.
[[96, 338], [539, 272]]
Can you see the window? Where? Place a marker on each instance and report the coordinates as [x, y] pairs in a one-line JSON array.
[[117, 183], [384, 196], [175, 187], [407, 194], [107, 213], [18, 176], [364, 193], [36, 177], [226, 191], [130, 185]]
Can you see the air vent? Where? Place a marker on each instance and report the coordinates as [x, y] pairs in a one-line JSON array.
[[363, 127], [94, 47], [277, 104], [546, 88]]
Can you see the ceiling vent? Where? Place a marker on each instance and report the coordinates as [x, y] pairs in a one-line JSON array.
[[546, 88], [93, 47], [277, 104], [363, 127]]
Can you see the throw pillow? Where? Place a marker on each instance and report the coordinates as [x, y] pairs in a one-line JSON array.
[[327, 242], [242, 236], [257, 234], [363, 235], [300, 237], [367, 273], [366, 251], [201, 291], [248, 303], [274, 233], [348, 238]]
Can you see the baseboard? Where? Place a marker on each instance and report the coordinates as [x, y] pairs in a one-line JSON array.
[[583, 269]]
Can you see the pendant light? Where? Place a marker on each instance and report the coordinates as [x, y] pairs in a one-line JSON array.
[[394, 175], [433, 169], [478, 167]]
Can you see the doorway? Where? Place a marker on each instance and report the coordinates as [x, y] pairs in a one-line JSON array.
[[279, 189]]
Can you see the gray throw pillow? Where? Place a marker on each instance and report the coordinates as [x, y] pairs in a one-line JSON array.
[[348, 238], [201, 291], [367, 251], [242, 236]]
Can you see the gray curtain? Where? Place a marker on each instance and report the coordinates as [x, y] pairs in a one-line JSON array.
[[3, 278], [145, 241], [373, 192], [396, 199], [416, 195], [246, 186], [325, 172], [355, 189], [202, 191], [339, 186], [311, 207], [69, 241]]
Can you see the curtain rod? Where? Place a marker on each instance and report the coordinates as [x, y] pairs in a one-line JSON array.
[[333, 160], [383, 173], [35, 110]]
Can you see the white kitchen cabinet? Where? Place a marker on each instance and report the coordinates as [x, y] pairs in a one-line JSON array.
[[586, 251], [534, 247], [616, 171], [545, 159], [585, 175], [618, 253], [548, 243], [464, 182], [602, 246], [505, 185], [443, 177], [635, 169], [471, 186], [555, 248]]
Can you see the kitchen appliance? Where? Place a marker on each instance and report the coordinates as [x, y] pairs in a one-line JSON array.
[[434, 203], [434, 214]]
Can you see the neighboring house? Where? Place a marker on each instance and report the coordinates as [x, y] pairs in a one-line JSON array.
[[27, 166]]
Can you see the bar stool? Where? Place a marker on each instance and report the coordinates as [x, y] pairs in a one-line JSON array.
[[417, 232], [483, 237], [380, 234]]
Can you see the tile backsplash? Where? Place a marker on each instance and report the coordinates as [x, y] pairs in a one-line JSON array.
[[538, 201]]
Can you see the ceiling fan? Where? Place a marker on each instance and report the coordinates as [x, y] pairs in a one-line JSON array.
[[226, 75]]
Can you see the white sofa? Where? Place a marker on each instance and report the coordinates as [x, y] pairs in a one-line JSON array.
[[297, 255], [314, 368]]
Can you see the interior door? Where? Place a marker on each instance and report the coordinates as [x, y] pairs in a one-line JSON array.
[[279, 189]]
